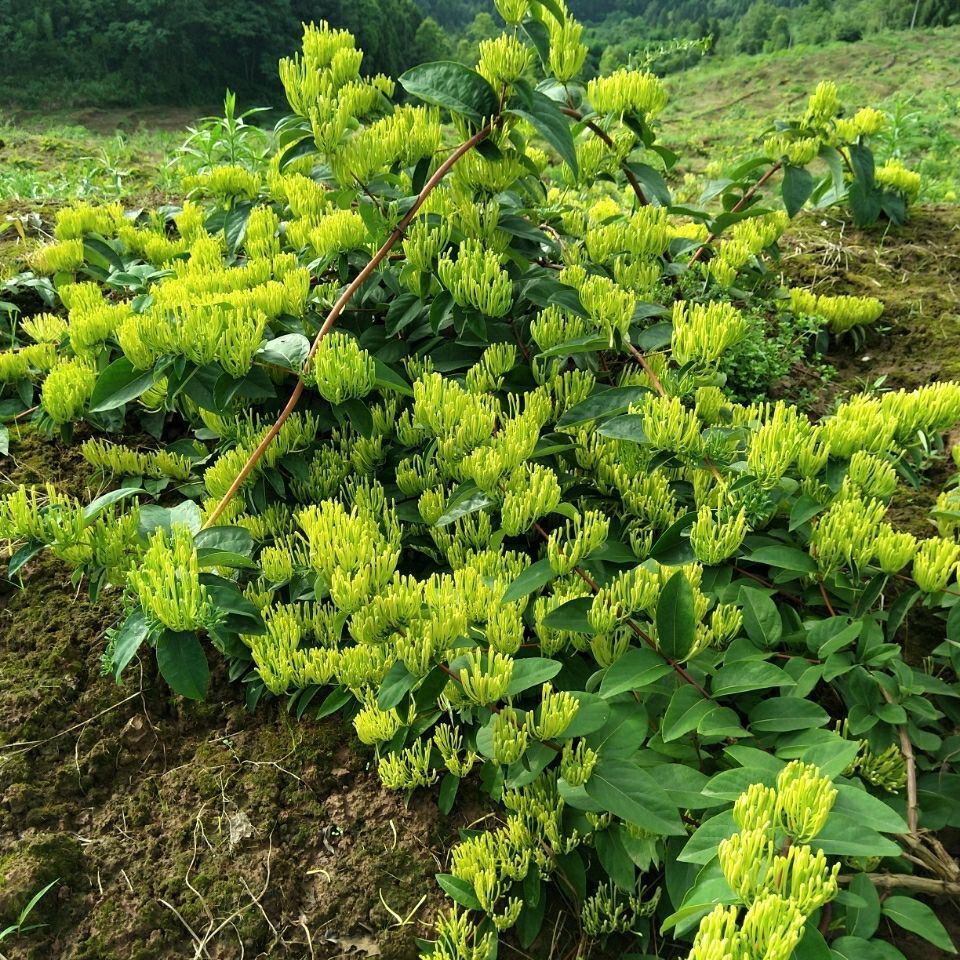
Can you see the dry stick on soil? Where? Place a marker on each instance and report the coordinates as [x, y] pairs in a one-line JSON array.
[[605, 137], [337, 309]]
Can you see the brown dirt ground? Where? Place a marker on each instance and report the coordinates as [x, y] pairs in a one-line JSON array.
[[180, 829]]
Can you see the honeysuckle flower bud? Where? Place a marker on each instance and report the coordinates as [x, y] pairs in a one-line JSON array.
[[577, 763], [341, 370], [532, 492], [476, 279], [67, 389], [703, 332], [894, 549], [745, 858], [577, 539], [935, 563], [771, 929], [556, 712], [803, 877], [449, 743], [374, 725], [840, 313], [798, 151], [669, 426], [167, 583], [460, 939], [714, 540], [895, 176], [846, 533], [503, 60], [67, 256], [718, 937], [567, 53], [408, 769], [486, 678], [512, 11], [510, 736], [887, 770], [824, 104], [756, 808], [804, 800], [628, 91]]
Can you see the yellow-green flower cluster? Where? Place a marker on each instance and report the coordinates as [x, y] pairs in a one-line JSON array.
[[895, 176], [67, 256], [703, 332], [567, 52], [67, 389], [341, 369], [628, 91], [839, 313], [27, 361], [476, 279], [167, 582], [116, 458], [782, 886]]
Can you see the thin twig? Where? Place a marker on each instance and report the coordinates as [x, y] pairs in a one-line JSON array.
[[605, 137], [737, 207], [906, 748], [905, 881]]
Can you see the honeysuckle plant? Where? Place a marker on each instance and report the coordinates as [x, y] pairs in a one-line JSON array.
[[444, 445]]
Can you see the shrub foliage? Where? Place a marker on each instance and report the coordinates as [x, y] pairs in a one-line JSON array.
[[441, 441]]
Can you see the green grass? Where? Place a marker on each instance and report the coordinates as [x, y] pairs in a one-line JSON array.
[[718, 109], [98, 155]]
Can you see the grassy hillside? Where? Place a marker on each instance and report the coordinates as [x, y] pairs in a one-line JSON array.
[[717, 106]]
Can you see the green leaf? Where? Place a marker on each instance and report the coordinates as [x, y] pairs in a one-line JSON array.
[[806, 508], [634, 670], [459, 890], [531, 671], [783, 714], [467, 498], [398, 682], [626, 427], [571, 615], [860, 805], [845, 837], [614, 858], [743, 676], [676, 619], [225, 539], [787, 558], [862, 921], [4, 441], [702, 845], [120, 383], [534, 577], [632, 794], [760, 618], [654, 186], [812, 946], [797, 186], [388, 379], [183, 663], [453, 86], [686, 709], [856, 948], [545, 117], [918, 918], [127, 641], [289, 351], [93, 509], [604, 403]]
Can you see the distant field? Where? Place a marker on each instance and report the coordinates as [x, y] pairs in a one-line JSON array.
[[915, 76]]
